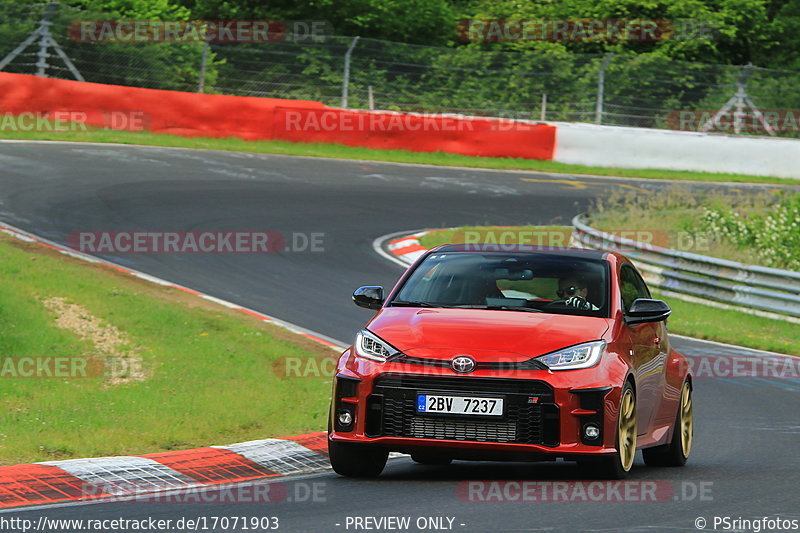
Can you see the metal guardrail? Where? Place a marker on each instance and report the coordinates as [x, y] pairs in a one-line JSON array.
[[767, 291]]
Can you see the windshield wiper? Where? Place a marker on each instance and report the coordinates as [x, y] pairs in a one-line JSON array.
[[500, 308], [403, 303]]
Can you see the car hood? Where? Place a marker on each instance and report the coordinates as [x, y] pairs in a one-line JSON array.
[[437, 333]]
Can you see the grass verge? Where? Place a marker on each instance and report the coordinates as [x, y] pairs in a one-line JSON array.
[[208, 371], [688, 318], [529, 235], [338, 151], [759, 229], [734, 327]]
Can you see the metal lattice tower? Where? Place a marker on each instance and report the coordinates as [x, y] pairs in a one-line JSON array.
[[44, 37]]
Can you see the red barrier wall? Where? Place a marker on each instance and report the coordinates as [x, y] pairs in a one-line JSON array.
[[251, 118], [178, 113], [418, 133]]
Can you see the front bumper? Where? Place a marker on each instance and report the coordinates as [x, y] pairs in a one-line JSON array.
[[545, 415]]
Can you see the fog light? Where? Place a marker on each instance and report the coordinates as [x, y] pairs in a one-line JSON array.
[[345, 418], [591, 431]]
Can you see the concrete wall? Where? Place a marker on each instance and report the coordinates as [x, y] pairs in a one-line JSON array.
[[609, 146]]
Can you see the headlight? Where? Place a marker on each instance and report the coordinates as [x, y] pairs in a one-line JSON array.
[[580, 356], [370, 346]]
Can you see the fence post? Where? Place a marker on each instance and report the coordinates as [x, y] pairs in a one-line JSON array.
[[370, 98], [543, 114], [346, 80], [201, 83], [601, 87], [44, 32]]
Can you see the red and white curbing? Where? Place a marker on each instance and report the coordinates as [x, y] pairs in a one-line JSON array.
[[134, 476], [407, 248], [82, 479]]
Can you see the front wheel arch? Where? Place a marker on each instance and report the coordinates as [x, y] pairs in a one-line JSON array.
[[674, 453]]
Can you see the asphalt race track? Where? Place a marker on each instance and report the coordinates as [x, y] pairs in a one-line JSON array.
[[744, 463]]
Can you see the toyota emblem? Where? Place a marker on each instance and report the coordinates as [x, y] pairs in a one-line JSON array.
[[462, 364]]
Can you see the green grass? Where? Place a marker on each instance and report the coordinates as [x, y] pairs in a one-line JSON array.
[[212, 379], [675, 219], [338, 151], [734, 327], [688, 318], [532, 235]]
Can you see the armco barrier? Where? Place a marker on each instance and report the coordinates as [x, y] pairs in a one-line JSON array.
[[250, 118], [765, 291]]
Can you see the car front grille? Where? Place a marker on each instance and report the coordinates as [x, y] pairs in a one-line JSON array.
[[531, 416]]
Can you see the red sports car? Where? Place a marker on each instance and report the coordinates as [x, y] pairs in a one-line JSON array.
[[523, 354]]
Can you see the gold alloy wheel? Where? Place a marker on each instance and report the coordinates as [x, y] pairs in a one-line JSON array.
[[626, 430], [686, 421]]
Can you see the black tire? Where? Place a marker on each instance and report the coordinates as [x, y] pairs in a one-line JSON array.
[[672, 454], [612, 467], [430, 459], [356, 460]]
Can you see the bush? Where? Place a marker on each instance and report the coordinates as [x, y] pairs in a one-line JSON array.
[[774, 234]]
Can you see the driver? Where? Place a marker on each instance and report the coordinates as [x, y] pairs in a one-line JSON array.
[[573, 291]]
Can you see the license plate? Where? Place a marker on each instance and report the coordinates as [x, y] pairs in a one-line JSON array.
[[459, 405]]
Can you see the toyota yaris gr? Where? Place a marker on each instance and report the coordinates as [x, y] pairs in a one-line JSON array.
[[523, 355]]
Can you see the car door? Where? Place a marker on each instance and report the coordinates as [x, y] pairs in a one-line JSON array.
[[646, 358]]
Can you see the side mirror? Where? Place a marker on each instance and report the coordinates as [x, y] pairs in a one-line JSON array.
[[370, 297], [645, 310]]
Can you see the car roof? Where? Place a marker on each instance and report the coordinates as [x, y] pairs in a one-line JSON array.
[[552, 251]]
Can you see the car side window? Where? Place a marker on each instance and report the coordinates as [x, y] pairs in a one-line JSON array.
[[641, 286], [632, 286]]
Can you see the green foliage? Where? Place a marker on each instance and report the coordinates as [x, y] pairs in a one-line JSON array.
[[133, 9], [740, 30], [412, 21], [172, 66], [757, 228], [774, 233], [644, 83]]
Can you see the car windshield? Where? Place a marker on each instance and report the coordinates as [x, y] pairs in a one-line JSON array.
[[527, 282]]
